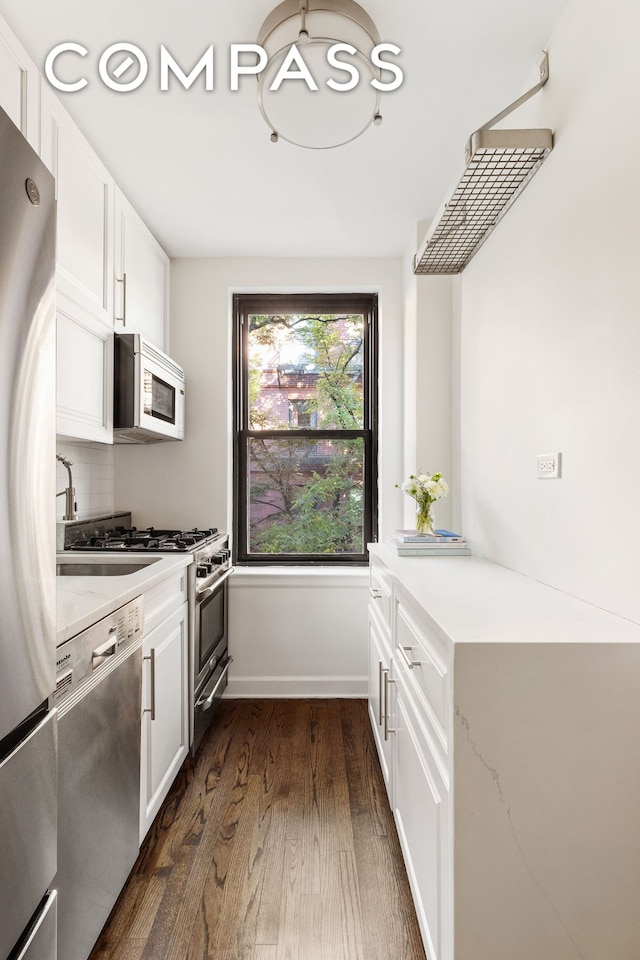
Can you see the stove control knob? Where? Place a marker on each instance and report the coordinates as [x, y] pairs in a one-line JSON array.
[[218, 559], [201, 570]]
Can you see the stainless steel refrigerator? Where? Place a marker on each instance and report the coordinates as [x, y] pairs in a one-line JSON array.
[[28, 729]]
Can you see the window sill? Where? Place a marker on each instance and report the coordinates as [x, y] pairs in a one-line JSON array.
[[305, 577]]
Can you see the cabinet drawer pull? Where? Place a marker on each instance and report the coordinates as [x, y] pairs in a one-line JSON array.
[[152, 684], [410, 663], [123, 318], [384, 673], [380, 672], [376, 594], [387, 728]]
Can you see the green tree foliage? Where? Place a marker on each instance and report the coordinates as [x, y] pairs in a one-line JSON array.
[[312, 488]]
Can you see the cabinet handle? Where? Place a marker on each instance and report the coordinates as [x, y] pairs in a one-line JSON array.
[[387, 728], [152, 682], [380, 671], [410, 663], [375, 594], [123, 318]]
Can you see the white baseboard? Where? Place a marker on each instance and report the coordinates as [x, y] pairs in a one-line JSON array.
[[295, 687]]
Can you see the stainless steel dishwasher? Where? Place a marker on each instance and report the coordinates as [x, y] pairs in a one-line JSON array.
[[98, 692]]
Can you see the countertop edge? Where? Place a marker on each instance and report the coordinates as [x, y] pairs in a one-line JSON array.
[[82, 601], [475, 600]]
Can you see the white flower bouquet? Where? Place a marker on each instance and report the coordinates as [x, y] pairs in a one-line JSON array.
[[425, 488]]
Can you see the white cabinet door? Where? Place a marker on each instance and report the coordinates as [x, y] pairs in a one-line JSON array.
[[84, 270], [85, 195], [142, 278], [165, 718], [421, 810], [19, 86], [379, 669], [84, 375]]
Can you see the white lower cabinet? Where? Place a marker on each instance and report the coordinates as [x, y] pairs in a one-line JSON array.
[[421, 812], [512, 714], [165, 717], [380, 611], [379, 666]]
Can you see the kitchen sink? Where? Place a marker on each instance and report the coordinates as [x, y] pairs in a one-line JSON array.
[[121, 569]]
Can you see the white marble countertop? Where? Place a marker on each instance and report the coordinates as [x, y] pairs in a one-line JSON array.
[[81, 601], [471, 600]]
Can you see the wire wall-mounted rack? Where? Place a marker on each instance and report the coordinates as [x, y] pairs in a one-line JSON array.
[[498, 166]]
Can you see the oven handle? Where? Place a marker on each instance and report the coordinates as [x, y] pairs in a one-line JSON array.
[[205, 702], [209, 591]]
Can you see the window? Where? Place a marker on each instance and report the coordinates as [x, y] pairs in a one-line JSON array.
[[305, 458], [302, 414]]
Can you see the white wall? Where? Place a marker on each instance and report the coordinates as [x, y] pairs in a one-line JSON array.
[[434, 389], [188, 484], [428, 384], [298, 633], [549, 331]]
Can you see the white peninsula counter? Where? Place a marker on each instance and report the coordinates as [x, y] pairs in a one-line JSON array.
[[507, 720]]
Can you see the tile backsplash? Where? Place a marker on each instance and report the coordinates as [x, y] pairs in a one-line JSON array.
[[92, 469]]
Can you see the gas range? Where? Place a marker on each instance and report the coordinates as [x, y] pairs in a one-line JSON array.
[[152, 540], [208, 546]]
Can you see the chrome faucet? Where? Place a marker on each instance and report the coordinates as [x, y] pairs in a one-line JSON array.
[[71, 507]]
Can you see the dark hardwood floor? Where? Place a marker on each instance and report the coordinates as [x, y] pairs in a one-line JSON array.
[[275, 843]]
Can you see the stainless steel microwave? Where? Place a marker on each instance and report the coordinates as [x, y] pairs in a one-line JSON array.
[[148, 396]]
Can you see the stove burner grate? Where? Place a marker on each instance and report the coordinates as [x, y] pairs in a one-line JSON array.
[[167, 541]]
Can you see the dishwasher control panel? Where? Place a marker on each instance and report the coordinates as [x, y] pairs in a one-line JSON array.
[[100, 644]]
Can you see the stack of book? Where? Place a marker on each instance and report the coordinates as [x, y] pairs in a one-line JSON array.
[[442, 543]]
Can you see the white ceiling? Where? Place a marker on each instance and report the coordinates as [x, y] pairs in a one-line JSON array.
[[200, 167]]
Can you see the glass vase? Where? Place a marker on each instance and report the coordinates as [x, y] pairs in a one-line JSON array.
[[424, 519]]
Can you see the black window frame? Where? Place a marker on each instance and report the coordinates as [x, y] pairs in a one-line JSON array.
[[312, 303]]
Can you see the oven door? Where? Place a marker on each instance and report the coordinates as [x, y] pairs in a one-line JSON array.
[[210, 628], [210, 654]]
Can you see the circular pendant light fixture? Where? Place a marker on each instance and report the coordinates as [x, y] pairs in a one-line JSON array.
[[344, 104]]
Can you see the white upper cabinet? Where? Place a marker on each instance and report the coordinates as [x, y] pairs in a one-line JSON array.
[[142, 278], [19, 86], [110, 270], [85, 195], [84, 277], [84, 374]]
